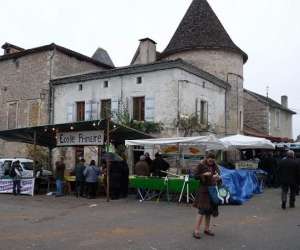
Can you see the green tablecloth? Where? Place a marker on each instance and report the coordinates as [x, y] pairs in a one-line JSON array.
[[154, 183]]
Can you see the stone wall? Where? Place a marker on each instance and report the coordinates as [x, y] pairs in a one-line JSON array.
[[256, 114], [25, 81]]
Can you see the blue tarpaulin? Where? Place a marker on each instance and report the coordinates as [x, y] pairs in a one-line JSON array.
[[242, 184]]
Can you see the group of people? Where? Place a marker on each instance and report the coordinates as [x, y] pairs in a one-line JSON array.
[[86, 178], [148, 167], [209, 175]]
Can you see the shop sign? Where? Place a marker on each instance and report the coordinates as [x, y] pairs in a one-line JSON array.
[[82, 138]]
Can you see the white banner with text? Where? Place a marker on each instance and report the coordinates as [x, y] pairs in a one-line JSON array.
[[27, 186]]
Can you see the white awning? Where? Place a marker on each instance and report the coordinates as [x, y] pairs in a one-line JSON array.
[[247, 142], [209, 142]]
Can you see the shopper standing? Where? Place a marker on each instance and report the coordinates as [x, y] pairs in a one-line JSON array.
[[80, 179], [289, 179], [59, 177], [16, 174], [91, 174], [159, 165], [208, 173]]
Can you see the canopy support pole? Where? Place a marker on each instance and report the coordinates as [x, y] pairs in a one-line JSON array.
[[107, 163], [34, 150]]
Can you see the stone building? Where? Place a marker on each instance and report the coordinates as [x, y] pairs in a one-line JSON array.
[[202, 41], [266, 117], [24, 85], [153, 92]]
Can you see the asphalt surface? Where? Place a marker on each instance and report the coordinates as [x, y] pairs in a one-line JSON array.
[[43, 222]]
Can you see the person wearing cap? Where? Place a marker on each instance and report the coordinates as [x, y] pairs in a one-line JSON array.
[[208, 174], [289, 179], [159, 165]]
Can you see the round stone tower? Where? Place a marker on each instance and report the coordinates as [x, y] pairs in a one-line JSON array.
[[202, 41]]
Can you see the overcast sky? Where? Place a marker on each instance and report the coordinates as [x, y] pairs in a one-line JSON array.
[[267, 30]]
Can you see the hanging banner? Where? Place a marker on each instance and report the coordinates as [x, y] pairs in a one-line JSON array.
[[82, 138], [27, 186]]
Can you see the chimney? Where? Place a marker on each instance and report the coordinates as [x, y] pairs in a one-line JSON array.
[[146, 52], [284, 101], [10, 48]]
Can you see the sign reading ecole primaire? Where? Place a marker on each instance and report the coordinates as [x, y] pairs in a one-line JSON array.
[[80, 138]]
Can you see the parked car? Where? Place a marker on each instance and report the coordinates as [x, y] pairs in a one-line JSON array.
[[26, 164]]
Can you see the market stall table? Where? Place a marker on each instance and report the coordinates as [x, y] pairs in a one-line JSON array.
[[160, 185]]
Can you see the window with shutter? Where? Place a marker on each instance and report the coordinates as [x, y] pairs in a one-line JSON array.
[[105, 108], [139, 108], [80, 111], [203, 112]]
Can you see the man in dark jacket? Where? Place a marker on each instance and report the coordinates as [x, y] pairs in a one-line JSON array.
[[149, 161], [289, 175], [158, 165], [141, 167], [80, 178], [16, 174]]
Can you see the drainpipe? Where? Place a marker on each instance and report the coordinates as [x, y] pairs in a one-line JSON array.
[[51, 92], [226, 113]]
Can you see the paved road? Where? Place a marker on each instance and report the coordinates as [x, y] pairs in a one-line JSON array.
[[69, 223]]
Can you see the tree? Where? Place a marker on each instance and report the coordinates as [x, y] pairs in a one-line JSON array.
[[123, 118], [190, 124], [41, 154]]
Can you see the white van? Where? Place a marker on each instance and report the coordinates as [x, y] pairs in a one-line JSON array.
[[26, 164]]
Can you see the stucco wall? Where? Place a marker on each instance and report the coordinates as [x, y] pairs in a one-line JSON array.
[[227, 66], [160, 85], [285, 123]]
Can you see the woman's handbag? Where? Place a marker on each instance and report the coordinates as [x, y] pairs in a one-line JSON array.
[[219, 195]]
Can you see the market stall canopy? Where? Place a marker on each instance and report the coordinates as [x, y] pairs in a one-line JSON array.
[[46, 134], [210, 142], [247, 142]]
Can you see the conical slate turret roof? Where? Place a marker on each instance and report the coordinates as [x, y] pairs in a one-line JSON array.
[[102, 56], [199, 29]]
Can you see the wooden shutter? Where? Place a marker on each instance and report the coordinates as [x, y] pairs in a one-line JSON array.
[[149, 109]]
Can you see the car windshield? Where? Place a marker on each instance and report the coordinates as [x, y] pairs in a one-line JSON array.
[[28, 165]]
